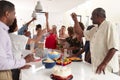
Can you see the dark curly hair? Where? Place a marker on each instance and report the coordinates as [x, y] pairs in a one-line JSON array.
[[38, 27], [13, 26], [70, 30], [82, 25]]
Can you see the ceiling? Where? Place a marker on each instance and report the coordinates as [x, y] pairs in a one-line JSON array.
[[56, 8], [48, 5]]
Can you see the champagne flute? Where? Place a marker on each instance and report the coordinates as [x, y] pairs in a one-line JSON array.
[[62, 57], [32, 46]]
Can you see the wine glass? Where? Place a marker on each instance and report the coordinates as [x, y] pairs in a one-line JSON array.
[[32, 46]]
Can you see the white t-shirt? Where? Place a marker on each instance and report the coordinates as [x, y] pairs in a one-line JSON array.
[[102, 39], [18, 45]]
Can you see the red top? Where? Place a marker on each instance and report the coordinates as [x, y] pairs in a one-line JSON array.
[[51, 41]]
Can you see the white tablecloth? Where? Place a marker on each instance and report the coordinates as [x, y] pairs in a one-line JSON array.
[[80, 71]]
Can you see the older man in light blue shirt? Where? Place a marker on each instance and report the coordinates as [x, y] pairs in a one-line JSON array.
[[7, 60]]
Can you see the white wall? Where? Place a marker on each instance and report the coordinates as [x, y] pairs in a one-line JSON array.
[[111, 7]]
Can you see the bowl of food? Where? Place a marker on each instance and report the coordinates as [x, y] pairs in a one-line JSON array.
[[48, 63], [54, 55]]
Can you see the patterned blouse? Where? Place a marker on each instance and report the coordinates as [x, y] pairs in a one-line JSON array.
[[74, 43]]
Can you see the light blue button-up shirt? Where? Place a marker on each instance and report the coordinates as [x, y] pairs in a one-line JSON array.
[[7, 60], [22, 29]]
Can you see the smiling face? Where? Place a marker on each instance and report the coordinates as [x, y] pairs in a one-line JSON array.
[[7, 12], [98, 16], [94, 18], [54, 29], [70, 31]]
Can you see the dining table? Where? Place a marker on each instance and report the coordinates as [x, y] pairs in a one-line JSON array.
[[80, 71]]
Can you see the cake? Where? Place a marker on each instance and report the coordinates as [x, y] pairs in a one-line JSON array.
[[61, 73]]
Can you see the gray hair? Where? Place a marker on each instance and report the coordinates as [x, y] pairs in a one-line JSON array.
[[100, 12]]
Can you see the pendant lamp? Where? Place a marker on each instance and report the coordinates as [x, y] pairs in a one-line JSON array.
[[34, 14], [38, 7]]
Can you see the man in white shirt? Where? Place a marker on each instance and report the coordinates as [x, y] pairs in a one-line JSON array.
[[104, 41], [7, 61]]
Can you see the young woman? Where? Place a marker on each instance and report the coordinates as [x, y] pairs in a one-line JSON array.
[[18, 47]]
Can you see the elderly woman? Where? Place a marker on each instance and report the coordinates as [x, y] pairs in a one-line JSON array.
[[74, 44], [51, 39]]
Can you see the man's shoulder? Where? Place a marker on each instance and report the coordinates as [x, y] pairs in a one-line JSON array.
[[108, 23]]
